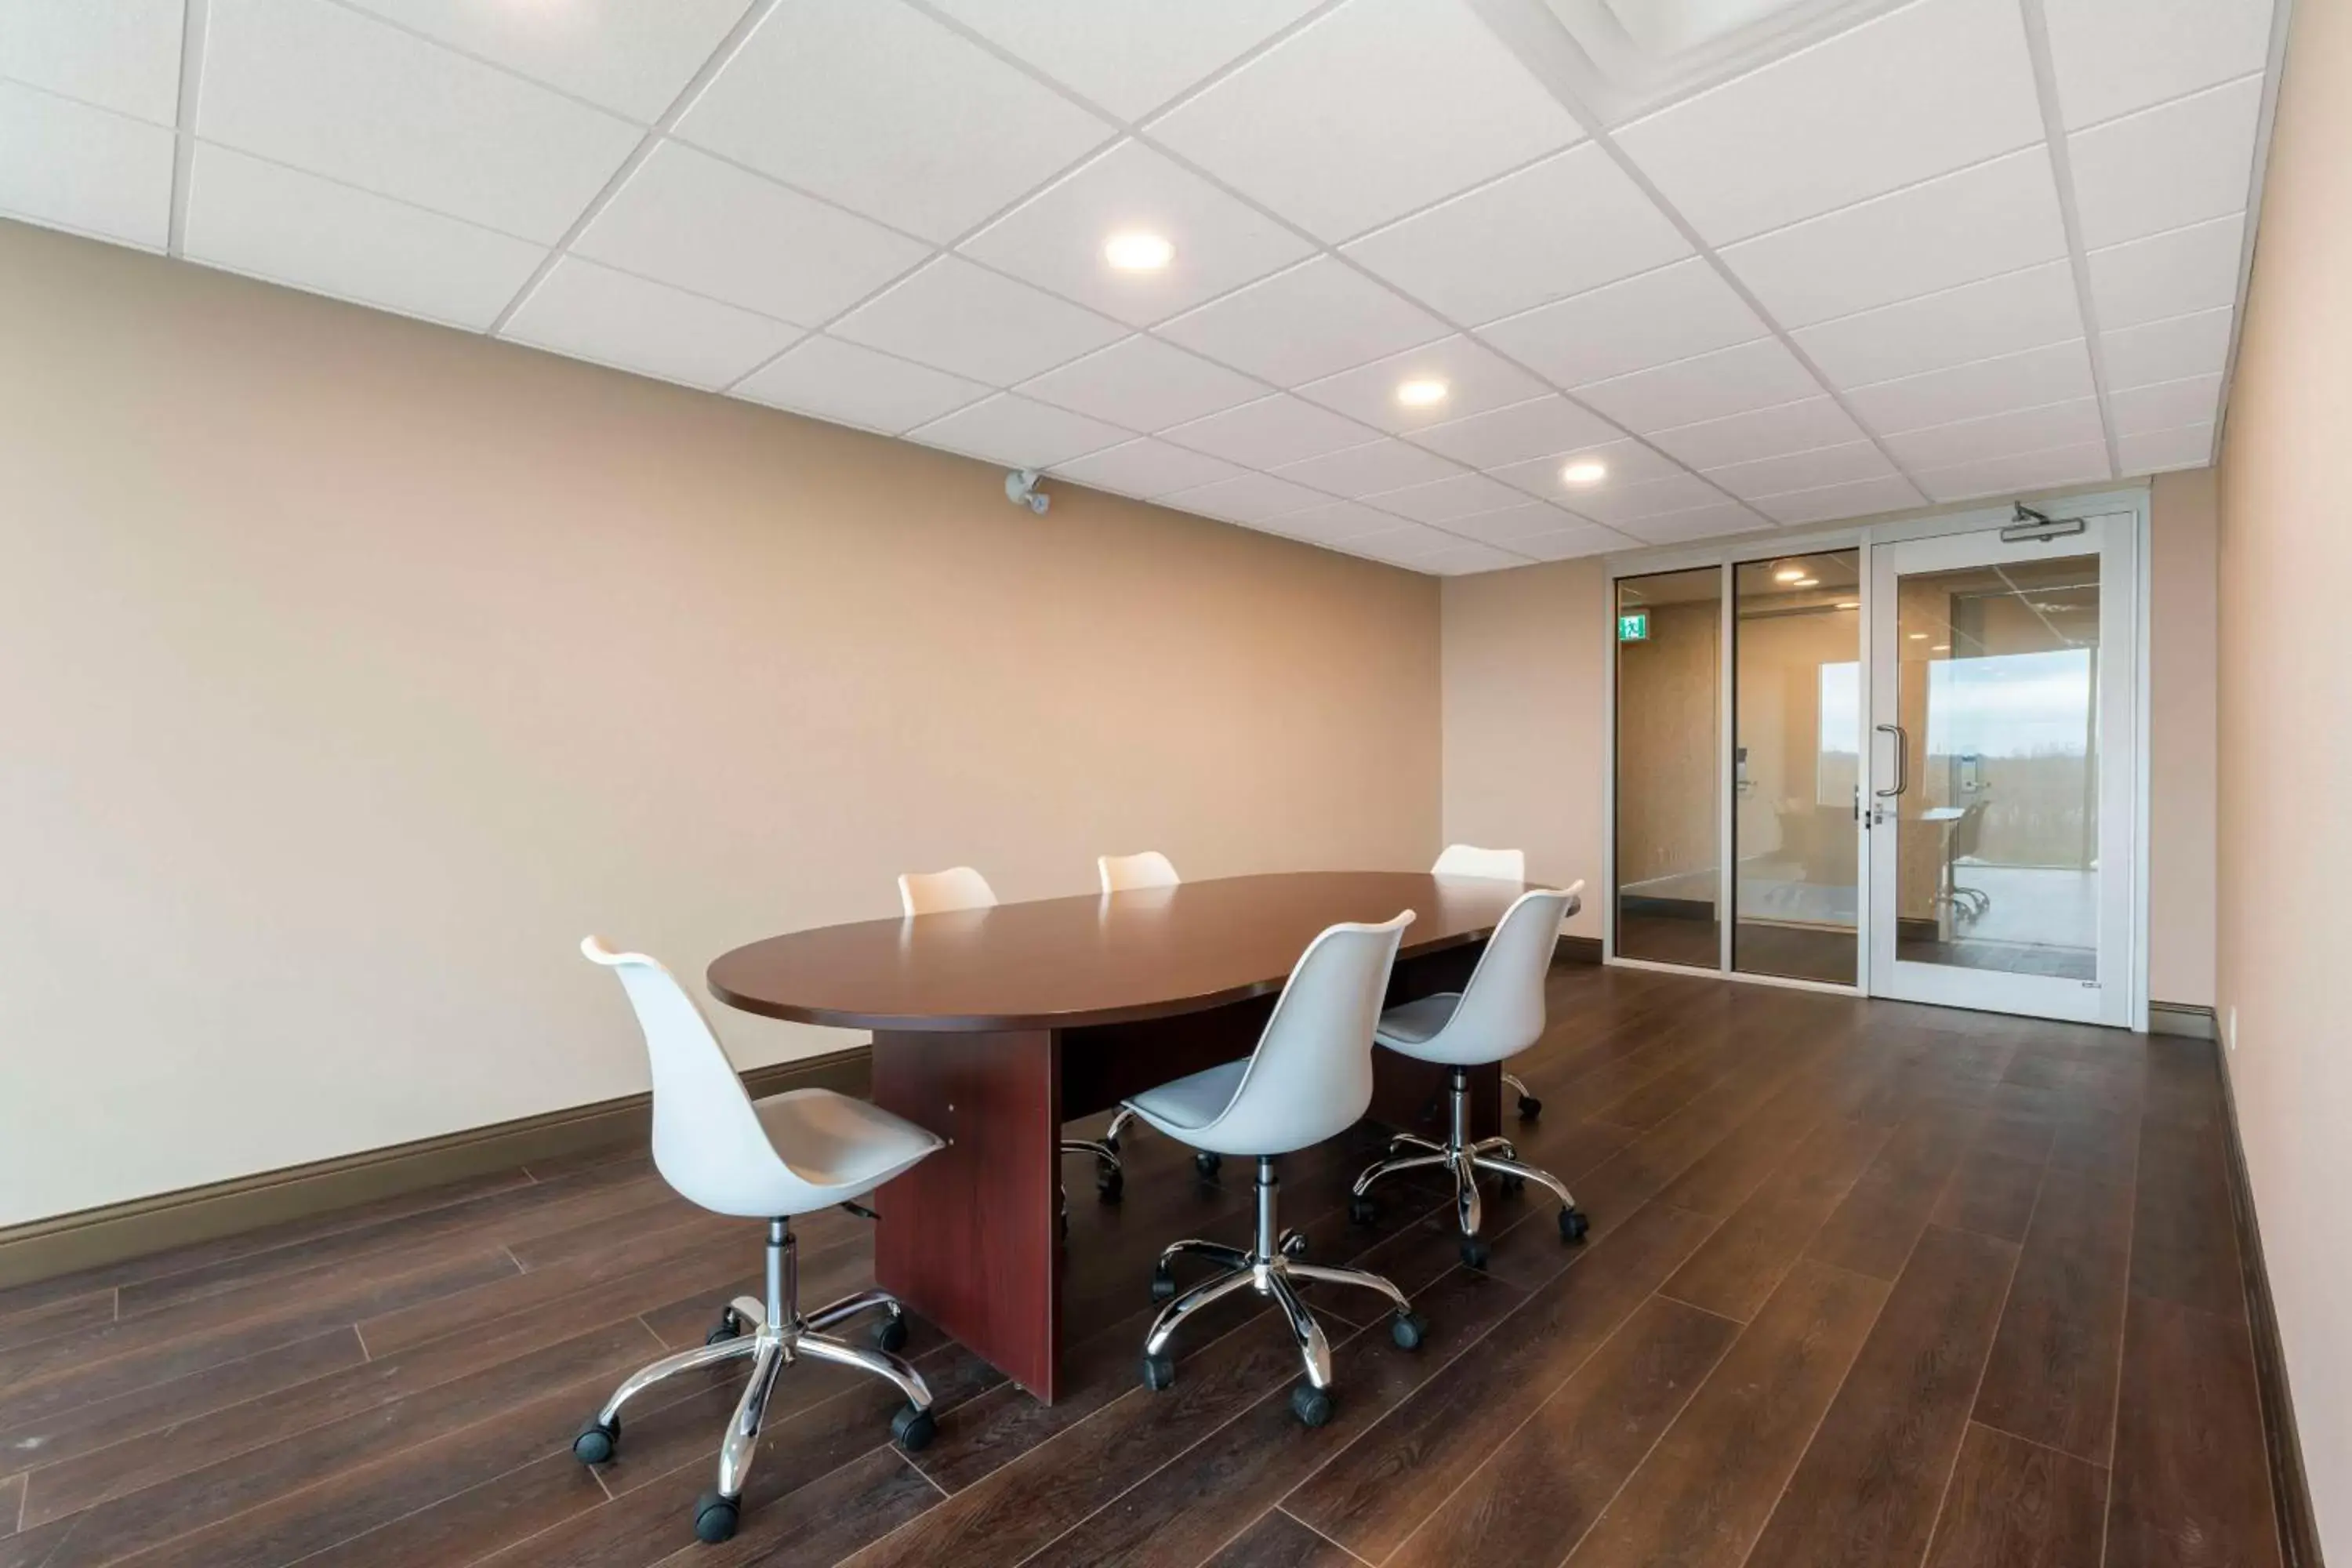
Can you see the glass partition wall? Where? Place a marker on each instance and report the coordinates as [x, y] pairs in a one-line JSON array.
[[1669, 711]]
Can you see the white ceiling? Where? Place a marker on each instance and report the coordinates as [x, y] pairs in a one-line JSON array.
[[1948, 249]]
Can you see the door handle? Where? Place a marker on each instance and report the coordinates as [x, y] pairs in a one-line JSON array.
[[1902, 760]]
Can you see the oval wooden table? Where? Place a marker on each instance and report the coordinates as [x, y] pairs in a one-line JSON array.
[[994, 1026]]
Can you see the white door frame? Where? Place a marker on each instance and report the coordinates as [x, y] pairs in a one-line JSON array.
[[1726, 555]]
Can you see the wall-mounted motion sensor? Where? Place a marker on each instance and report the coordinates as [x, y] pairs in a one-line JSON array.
[[1021, 489]]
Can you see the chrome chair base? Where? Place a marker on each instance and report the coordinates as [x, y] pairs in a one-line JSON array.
[[1272, 1267], [771, 1335], [1466, 1159], [1529, 1106]]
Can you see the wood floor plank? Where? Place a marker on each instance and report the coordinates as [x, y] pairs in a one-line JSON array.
[[67, 1314], [464, 1525], [1704, 1492], [1990, 1192], [12, 1503], [1399, 1472], [1278, 1541], [1873, 1231], [2184, 1229], [1534, 1498], [2059, 1349], [2015, 1504], [2191, 1488], [1871, 1481], [1739, 1267]]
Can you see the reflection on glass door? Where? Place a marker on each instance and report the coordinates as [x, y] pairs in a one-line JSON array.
[[1796, 763], [1669, 724], [2002, 762]]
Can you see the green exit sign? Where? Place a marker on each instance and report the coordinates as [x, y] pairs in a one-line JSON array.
[[1634, 626]]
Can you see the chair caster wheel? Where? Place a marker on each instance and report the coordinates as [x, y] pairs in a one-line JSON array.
[[913, 1429], [714, 1517], [1110, 1142], [1110, 1183], [1363, 1211], [1163, 1284], [890, 1335], [1159, 1370], [1408, 1330], [1573, 1224], [1529, 1107], [1292, 1244], [1208, 1165], [597, 1442], [1514, 1184], [1475, 1251], [1311, 1404], [728, 1326]]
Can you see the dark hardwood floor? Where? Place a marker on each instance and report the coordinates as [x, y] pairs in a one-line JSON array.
[[1867, 1284]]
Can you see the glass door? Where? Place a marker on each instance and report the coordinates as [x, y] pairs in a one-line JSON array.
[[2001, 772]]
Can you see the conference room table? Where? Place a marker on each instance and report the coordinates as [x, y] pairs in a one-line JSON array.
[[994, 1026]]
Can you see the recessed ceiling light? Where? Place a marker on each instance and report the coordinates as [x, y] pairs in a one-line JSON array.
[[1849, 603], [1789, 575], [1918, 636], [1138, 252], [1584, 471], [1941, 647], [1806, 583], [1421, 394]]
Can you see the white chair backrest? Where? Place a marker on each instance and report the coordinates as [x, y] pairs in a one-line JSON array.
[[1502, 1009], [938, 892], [1469, 860], [1126, 873], [708, 1141], [1311, 1075]]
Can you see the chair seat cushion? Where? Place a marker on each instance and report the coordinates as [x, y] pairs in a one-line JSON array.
[[1414, 1023], [1191, 1103], [839, 1145]]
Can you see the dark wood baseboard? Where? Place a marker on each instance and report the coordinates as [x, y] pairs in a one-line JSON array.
[[1577, 950], [2182, 1018], [2290, 1486], [90, 1238]]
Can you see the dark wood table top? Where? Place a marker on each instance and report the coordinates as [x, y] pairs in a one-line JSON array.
[[1058, 963]]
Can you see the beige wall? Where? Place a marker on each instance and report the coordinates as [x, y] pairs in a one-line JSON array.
[[2184, 528], [2286, 744], [351, 669]]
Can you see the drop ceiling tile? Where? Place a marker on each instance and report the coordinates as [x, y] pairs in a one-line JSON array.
[[122, 55], [2016, 474], [1917, 92], [1401, 545], [1853, 462], [630, 58], [1572, 223], [1248, 498], [967, 320], [1829, 503], [1729, 381], [1571, 543], [2196, 345], [2162, 168], [1146, 467], [2166, 404], [1537, 428], [1358, 118], [1309, 322], [1369, 470], [1055, 238], [2002, 315], [1799, 426], [2170, 274], [2159, 451], [2112, 57], [1530, 520], [2068, 424], [685, 218], [1461, 559], [290, 227], [592, 312], [1128, 56], [1990, 219], [841, 381], [1018, 433], [1144, 384], [1333, 522], [1476, 380], [72, 166], [1628, 463], [1442, 500], [1720, 521], [1270, 433], [1662, 316], [324, 88], [873, 105], [2050, 374], [1620, 505]]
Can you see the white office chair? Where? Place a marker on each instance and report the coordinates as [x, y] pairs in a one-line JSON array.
[[1131, 874], [961, 887], [1309, 1078], [791, 1154], [1502, 866], [1498, 1015]]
